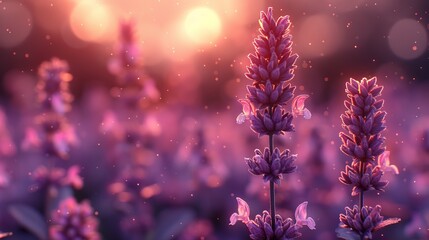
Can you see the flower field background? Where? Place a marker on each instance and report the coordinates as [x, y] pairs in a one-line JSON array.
[[118, 119]]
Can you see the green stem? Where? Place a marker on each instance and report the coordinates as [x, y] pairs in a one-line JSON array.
[[272, 192]]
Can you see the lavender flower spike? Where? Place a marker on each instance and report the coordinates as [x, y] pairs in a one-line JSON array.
[[364, 122], [271, 68]]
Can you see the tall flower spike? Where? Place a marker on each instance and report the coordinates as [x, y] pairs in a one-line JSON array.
[[364, 122], [271, 67]]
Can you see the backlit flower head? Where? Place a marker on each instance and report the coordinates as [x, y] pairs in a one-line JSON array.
[[273, 60], [363, 120]]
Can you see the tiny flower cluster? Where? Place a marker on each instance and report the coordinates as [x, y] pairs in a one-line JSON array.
[[260, 228], [271, 166], [364, 121], [365, 221], [73, 221]]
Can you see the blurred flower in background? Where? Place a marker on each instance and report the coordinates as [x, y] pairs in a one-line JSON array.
[[190, 57]]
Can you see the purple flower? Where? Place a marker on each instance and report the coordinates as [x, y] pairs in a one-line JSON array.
[[270, 95], [260, 228], [363, 120], [272, 166], [273, 60], [272, 65], [365, 221], [370, 179], [276, 122], [73, 221]]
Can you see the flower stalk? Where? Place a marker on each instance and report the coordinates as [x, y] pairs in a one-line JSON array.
[[364, 121], [271, 69]]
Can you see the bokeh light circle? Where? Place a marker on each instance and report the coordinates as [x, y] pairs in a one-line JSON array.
[[15, 23], [408, 39], [202, 25], [92, 21], [318, 35]]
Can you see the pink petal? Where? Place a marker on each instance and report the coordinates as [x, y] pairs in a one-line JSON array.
[[301, 211], [233, 219], [31, 139], [384, 159], [306, 113], [298, 106], [241, 118], [243, 212], [73, 177], [301, 217], [247, 110], [392, 168], [247, 107], [243, 208], [310, 223], [58, 104], [384, 163]]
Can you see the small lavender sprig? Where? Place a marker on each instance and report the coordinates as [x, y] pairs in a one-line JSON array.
[[73, 221], [272, 66], [364, 121]]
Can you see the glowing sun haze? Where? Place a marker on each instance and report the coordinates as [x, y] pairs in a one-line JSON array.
[[202, 25]]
